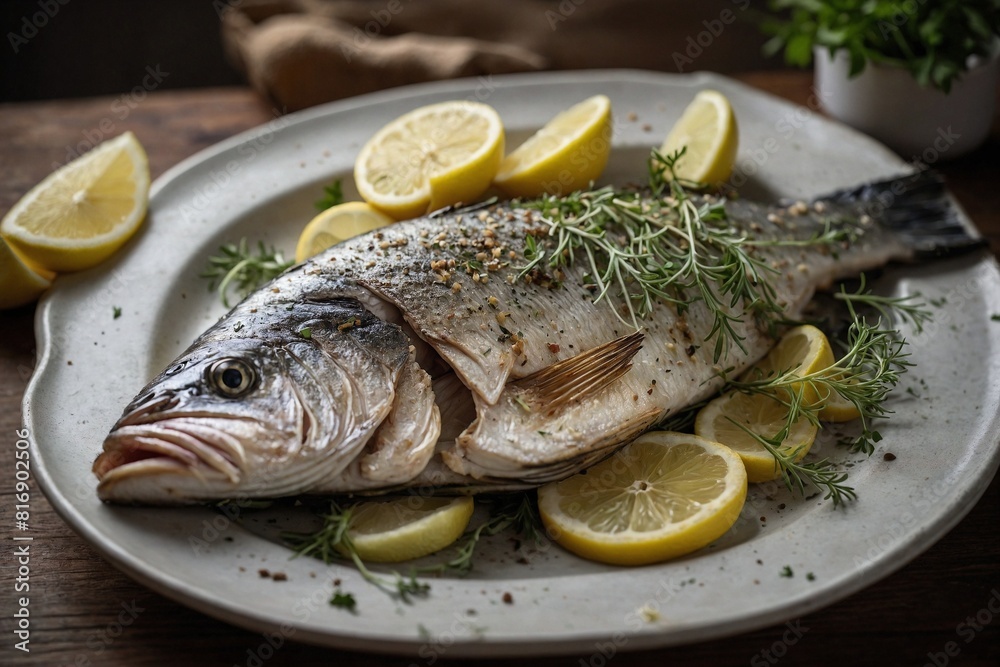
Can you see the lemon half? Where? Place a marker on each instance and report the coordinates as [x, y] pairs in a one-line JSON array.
[[662, 496]]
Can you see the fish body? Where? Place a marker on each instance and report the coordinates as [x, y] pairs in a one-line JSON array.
[[422, 356]]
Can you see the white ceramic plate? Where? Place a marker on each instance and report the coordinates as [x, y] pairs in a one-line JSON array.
[[262, 184]]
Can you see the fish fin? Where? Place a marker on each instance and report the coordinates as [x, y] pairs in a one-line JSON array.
[[918, 208], [583, 375]]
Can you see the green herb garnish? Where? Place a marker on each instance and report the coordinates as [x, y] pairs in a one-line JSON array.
[[333, 195], [343, 600], [871, 367], [116, 312], [933, 40], [673, 247], [907, 308], [237, 268], [331, 542]]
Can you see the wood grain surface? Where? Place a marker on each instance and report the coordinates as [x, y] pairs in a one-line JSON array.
[[82, 608]]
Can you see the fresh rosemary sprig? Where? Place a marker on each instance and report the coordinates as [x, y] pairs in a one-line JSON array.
[[517, 511], [864, 376], [904, 307], [236, 267], [823, 474], [673, 247], [331, 541]]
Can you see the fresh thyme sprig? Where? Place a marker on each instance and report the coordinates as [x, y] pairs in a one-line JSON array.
[[237, 268], [672, 247], [330, 543]]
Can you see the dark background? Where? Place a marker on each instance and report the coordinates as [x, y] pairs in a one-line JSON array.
[[98, 47], [101, 47]]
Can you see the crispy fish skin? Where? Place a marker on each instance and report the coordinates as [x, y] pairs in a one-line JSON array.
[[557, 381]]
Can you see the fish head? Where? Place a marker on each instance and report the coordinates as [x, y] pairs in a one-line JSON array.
[[259, 415]]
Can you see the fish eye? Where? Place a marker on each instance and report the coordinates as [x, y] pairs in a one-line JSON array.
[[232, 378]]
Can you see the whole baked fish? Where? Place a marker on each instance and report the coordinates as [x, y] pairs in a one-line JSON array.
[[423, 355]]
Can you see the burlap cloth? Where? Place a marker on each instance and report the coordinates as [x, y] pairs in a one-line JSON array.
[[300, 53]]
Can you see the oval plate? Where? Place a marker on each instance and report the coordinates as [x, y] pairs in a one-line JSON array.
[[262, 185]]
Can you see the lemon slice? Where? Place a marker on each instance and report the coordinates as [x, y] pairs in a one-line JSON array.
[[429, 158], [662, 496], [22, 282], [567, 154], [391, 531], [81, 213], [803, 350], [337, 224], [708, 129], [720, 421]]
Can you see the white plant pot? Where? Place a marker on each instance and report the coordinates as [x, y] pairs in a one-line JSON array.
[[919, 123]]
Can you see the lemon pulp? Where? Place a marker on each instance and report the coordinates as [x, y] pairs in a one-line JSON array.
[[707, 129], [567, 154], [662, 496], [83, 212], [432, 157], [391, 531]]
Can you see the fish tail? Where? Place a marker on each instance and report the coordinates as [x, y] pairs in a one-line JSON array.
[[918, 209]]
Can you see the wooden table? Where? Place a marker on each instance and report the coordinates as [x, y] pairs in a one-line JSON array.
[[77, 598]]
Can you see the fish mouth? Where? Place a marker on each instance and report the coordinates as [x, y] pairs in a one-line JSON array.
[[178, 445]]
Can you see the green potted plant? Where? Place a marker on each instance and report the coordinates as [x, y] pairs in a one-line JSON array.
[[920, 75]]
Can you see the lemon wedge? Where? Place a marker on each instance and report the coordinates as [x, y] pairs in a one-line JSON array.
[[22, 282], [567, 154], [431, 157], [722, 418], [336, 224], [83, 212], [662, 496], [708, 130], [803, 350], [391, 531]]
